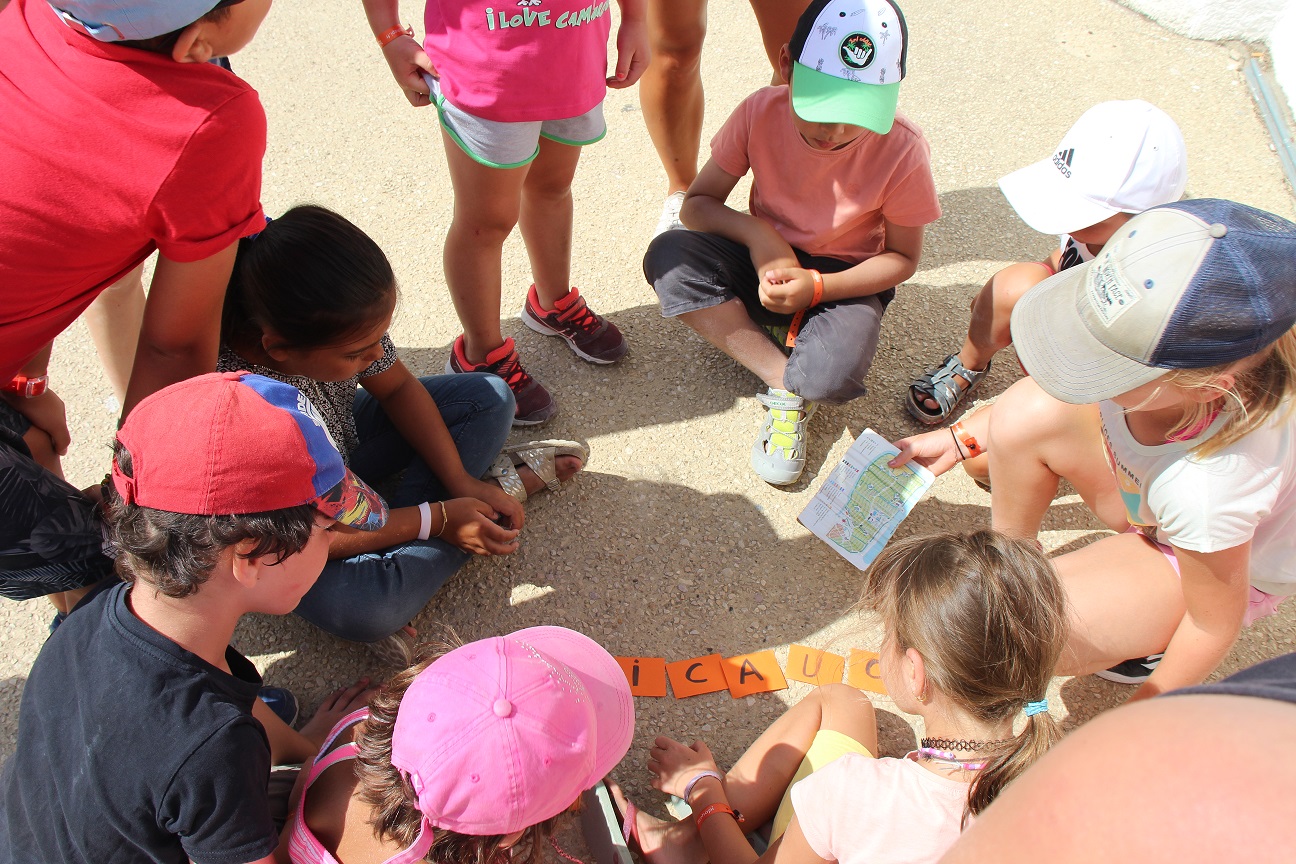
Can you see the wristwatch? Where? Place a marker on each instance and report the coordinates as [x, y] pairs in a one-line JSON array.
[[27, 387]]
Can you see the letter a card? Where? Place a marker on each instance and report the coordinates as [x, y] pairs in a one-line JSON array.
[[647, 675], [697, 676], [813, 666], [753, 673]]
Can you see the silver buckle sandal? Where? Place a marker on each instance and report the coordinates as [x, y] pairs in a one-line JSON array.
[[940, 384]]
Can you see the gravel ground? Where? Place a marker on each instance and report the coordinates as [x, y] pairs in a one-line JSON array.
[[667, 545]]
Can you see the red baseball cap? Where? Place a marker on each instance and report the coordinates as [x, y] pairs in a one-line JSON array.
[[232, 443]]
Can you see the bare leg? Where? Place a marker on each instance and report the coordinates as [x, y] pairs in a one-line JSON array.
[[728, 327], [546, 219], [988, 331], [486, 206], [777, 19], [114, 320], [1125, 600], [757, 782], [670, 92], [1035, 441]]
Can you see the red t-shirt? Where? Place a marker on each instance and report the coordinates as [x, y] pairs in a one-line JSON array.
[[827, 202], [109, 153]]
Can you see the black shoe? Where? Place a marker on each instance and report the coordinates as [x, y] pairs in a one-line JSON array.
[[1134, 671]]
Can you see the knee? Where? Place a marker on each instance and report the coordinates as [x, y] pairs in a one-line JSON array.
[[677, 50], [831, 382], [1034, 415], [663, 253], [490, 227], [1009, 284], [539, 188]]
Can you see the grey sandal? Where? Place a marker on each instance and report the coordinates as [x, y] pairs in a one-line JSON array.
[[940, 384], [540, 457]]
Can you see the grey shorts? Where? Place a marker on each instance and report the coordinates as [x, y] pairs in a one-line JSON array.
[[692, 270], [512, 145]]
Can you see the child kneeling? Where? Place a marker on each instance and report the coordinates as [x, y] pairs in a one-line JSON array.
[[838, 204]]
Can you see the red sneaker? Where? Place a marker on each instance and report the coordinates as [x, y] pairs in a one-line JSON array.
[[589, 334], [534, 404]]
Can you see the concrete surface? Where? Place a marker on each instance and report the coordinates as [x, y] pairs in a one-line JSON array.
[[668, 545]]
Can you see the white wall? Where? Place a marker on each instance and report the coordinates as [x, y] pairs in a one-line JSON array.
[[1270, 21]]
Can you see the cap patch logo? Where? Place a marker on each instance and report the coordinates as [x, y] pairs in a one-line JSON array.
[[1062, 159], [1110, 293], [305, 406], [857, 51]]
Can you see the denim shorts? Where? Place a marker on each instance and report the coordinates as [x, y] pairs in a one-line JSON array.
[[512, 145]]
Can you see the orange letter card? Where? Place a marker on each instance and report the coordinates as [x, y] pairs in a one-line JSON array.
[[864, 671], [647, 675], [753, 673], [814, 666], [697, 676]]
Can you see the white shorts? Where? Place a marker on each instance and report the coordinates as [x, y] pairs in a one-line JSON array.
[[512, 145]]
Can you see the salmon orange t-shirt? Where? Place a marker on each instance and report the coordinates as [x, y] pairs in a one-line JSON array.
[[827, 202]]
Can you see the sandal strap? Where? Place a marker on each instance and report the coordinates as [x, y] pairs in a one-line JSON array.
[[941, 384], [541, 460], [503, 473]]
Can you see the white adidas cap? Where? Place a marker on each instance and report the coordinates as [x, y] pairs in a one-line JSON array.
[[1119, 157]]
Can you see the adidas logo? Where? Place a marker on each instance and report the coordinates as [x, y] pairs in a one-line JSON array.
[[1062, 159]]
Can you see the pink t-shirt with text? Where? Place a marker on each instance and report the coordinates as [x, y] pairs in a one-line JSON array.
[[827, 202], [505, 61], [861, 810]]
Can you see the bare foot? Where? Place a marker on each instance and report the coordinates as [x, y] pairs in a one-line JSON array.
[[659, 841], [565, 467]]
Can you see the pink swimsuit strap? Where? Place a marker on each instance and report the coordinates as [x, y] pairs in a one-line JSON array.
[[303, 846]]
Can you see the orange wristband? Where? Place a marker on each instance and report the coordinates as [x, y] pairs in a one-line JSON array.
[[713, 809], [970, 444], [818, 288], [390, 36]]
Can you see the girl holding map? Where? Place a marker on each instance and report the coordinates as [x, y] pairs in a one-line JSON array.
[[1162, 379]]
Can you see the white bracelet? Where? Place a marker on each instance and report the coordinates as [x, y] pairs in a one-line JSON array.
[[425, 521], [701, 775]]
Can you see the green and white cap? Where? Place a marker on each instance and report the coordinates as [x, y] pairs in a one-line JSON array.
[[848, 58]]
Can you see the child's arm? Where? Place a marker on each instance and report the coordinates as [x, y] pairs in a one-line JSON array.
[[46, 413], [403, 54], [181, 330], [704, 209], [412, 411], [1215, 590], [632, 45], [790, 290]]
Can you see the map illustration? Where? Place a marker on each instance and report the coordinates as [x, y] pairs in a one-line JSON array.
[[864, 500]]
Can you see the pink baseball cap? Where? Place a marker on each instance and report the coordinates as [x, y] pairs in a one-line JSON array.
[[504, 733], [232, 443]]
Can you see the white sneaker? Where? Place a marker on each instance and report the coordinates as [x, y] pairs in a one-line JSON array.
[[670, 220]]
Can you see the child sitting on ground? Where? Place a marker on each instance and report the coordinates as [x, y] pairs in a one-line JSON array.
[[467, 757], [974, 625], [1119, 159], [310, 305], [1162, 382], [838, 203], [140, 727]]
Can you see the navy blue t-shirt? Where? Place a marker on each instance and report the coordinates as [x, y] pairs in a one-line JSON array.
[[132, 749]]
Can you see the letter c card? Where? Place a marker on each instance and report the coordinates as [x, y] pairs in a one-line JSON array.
[[697, 676]]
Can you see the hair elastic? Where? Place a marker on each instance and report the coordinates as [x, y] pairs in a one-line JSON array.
[[1033, 708]]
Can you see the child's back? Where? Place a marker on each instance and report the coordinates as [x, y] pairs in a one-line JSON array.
[[110, 152]]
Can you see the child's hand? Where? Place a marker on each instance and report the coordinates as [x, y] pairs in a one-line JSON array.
[[934, 450], [632, 54], [509, 508], [674, 764], [473, 528], [47, 413], [334, 707], [786, 290], [408, 62]]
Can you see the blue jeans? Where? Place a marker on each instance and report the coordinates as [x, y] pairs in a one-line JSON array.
[[368, 597]]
